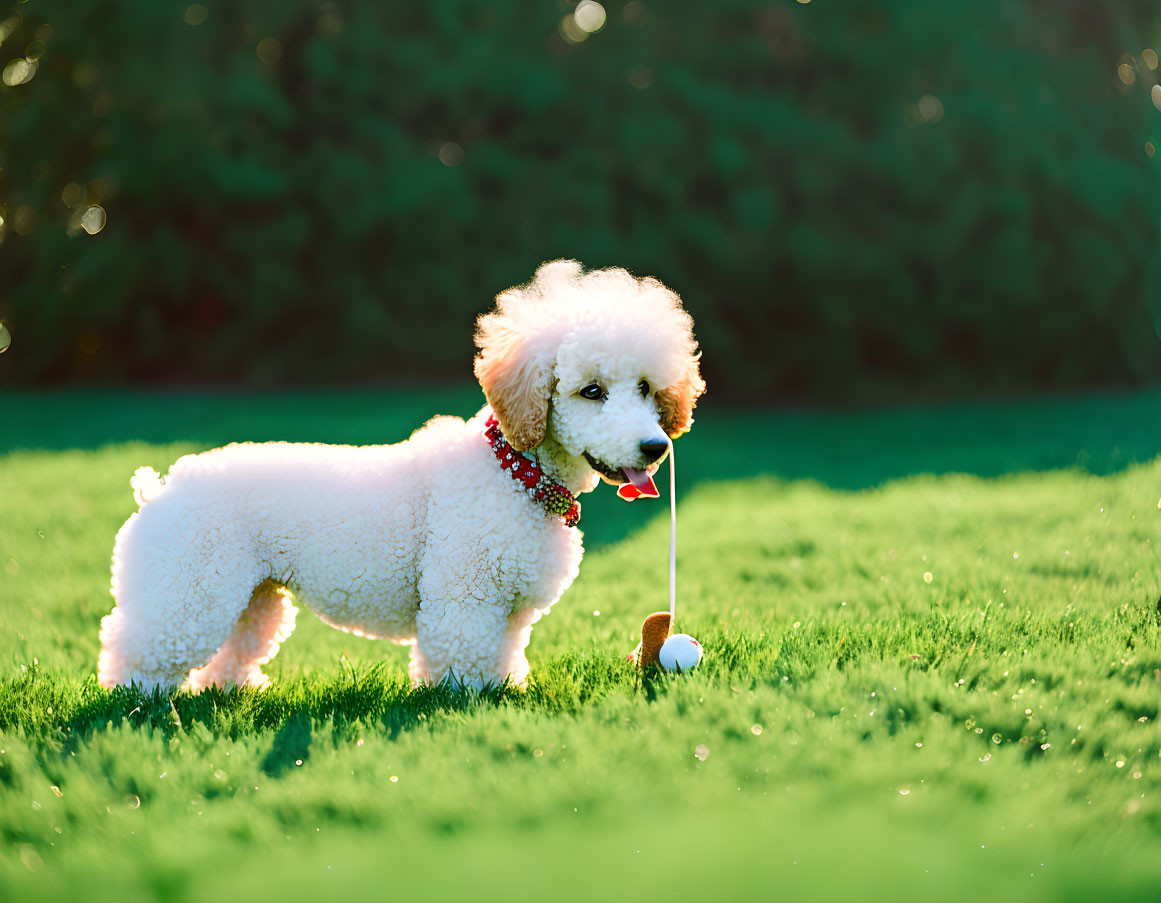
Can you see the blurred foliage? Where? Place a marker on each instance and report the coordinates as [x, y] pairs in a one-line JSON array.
[[855, 199]]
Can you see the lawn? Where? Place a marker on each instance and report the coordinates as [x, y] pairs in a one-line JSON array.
[[933, 671]]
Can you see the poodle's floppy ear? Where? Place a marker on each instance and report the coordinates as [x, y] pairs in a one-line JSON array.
[[516, 377], [676, 401]]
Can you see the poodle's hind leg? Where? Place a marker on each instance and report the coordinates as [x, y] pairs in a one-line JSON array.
[[133, 652], [183, 571], [265, 624]]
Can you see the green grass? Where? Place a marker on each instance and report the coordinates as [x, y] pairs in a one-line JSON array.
[[933, 671]]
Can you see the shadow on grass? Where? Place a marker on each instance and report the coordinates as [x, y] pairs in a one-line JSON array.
[[293, 711], [291, 746], [60, 714]]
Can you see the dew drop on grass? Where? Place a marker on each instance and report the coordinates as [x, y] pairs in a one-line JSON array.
[[394, 779], [756, 730], [997, 739], [928, 576], [701, 752], [133, 801]]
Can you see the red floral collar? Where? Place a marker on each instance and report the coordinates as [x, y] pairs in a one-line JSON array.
[[547, 493]]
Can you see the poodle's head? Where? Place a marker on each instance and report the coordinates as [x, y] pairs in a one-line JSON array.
[[602, 363]]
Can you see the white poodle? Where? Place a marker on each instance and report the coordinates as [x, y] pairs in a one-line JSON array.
[[454, 542]]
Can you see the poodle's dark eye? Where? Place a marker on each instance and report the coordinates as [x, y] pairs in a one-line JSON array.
[[593, 392], [643, 388]]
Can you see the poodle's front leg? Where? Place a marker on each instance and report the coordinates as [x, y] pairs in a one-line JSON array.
[[461, 641]]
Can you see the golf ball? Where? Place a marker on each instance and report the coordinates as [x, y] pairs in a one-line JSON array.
[[680, 653]]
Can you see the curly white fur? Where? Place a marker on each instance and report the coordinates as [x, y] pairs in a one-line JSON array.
[[427, 542]]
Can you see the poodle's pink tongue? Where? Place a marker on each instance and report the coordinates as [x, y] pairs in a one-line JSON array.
[[640, 485]]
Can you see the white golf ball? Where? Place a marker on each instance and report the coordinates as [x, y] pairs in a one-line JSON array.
[[680, 653]]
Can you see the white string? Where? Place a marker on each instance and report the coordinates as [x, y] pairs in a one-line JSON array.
[[672, 538]]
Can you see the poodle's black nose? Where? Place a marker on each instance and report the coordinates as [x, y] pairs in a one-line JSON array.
[[653, 449]]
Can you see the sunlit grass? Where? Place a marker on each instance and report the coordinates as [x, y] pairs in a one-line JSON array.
[[945, 687]]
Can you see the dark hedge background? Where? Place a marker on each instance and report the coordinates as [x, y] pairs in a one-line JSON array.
[[858, 200]]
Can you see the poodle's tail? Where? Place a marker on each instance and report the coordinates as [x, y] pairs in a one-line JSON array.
[[146, 484]]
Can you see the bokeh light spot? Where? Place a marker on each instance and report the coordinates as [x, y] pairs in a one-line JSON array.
[[19, 72], [589, 16], [23, 220], [640, 77], [329, 23], [572, 32], [1150, 150], [451, 154], [84, 75], [34, 50], [269, 50], [5, 338], [196, 14], [1149, 58], [1126, 74], [93, 220], [1156, 95], [72, 194], [635, 14], [930, 108], [8, 26]]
